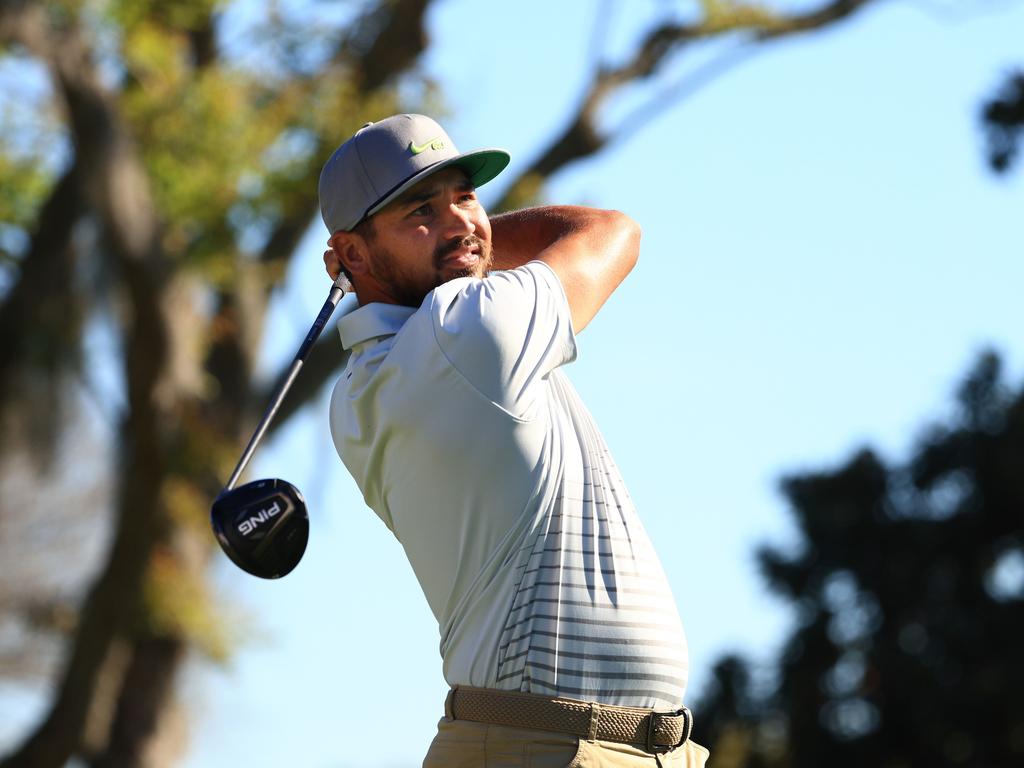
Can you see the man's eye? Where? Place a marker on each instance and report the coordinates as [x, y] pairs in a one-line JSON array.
[[423, 210]]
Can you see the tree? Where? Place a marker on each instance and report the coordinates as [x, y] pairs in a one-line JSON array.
[[188, 177], [908, 589], [1003, 119]]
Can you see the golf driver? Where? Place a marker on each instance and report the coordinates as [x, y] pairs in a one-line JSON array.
[[263, 525]]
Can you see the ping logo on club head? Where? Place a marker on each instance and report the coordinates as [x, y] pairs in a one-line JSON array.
[[253, 521]]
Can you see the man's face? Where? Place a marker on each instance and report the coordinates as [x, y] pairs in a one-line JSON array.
[[435, 232]]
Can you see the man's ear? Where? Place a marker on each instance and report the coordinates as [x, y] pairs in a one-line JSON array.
[[352, 250]]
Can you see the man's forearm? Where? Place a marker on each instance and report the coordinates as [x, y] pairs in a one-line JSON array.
[[519, 236], [590, 250]]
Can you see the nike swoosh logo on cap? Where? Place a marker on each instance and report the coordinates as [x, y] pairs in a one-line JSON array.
[[434, 143]]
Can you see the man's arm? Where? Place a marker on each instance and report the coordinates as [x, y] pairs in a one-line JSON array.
[[590, 250]]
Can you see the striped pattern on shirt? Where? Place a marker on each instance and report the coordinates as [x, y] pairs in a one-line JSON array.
[[592, 616]]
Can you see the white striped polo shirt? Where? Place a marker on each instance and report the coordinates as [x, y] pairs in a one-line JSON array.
[[474, 449]]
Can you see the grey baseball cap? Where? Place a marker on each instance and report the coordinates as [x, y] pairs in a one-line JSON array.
[[385, 158]]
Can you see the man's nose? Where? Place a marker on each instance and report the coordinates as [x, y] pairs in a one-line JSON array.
[[459, 221]]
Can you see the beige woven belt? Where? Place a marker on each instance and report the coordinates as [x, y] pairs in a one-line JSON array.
[[654, 732]]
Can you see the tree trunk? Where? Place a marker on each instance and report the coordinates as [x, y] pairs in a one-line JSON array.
[[146, 693]]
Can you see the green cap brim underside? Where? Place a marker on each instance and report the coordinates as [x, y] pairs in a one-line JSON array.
[[481, 165]]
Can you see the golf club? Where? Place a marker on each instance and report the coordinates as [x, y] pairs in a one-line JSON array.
[[263, 526]]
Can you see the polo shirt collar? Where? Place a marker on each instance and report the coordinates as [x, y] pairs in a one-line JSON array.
[[372, 321]]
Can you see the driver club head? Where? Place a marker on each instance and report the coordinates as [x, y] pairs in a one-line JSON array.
[[262, 526]]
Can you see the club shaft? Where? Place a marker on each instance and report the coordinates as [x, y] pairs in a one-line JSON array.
[[289, 378]]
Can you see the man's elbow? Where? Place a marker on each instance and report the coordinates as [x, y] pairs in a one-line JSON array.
[[626, 233]]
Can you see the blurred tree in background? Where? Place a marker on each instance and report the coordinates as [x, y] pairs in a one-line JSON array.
[[908, 590], [1003, 118], [154, 186]]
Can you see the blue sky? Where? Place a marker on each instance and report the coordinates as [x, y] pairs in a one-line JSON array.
[[824, 255]]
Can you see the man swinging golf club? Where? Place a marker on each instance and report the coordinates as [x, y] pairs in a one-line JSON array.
[[560, 637]]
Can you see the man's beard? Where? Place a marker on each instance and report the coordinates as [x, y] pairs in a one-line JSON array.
[[479, 269], [409, 291]]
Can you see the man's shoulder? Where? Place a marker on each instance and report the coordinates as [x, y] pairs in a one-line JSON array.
[[504, 333], [512, 287]]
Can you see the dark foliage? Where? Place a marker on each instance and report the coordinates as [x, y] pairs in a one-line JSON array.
[[908, 589], [1003, 117]]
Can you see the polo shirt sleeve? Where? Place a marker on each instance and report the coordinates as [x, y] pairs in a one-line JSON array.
[[505, 333]]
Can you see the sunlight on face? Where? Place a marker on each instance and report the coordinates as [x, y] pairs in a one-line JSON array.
[[435, 232]]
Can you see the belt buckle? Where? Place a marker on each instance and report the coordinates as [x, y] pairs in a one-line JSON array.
[[653, 748]]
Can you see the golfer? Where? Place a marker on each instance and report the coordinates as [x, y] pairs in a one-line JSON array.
[[560, 637]]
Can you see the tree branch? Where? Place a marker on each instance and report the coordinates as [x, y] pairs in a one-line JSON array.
[[398, 35], [36, 326], [35, 312], [584, 135], [383, 45], [118, 194]]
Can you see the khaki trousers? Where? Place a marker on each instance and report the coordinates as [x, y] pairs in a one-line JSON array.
[[466, 744]]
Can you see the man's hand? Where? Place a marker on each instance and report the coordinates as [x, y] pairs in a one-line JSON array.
[[332, 262], [590, 250]]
